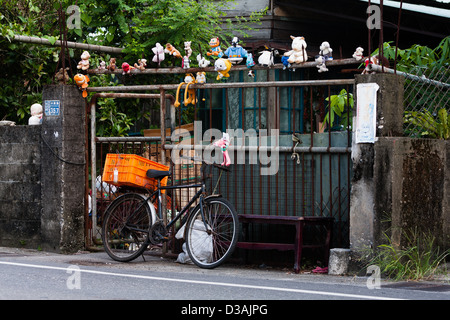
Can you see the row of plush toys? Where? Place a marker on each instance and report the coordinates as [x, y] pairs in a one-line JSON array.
[[223, 60]]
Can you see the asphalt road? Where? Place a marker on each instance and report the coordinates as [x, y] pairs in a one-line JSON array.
[[33, 275]]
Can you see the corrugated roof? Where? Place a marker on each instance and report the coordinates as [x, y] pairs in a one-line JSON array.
[[431, 7]]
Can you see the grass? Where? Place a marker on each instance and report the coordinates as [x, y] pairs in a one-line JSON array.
[[419, 259]]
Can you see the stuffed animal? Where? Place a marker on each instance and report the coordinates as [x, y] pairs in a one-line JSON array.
[[158, 51], [62, 76], [235, 53], [102, 65], [126, 68], [142, 63], [112, 64], [324, 56], [215, 50], [250, 63], [321, 64], [285, 62], [222, 66], [36, 114], [187, 48], [380, 61], [185, 63], [201, 77], [202, 62], [170, 49], [266, 58], [223, 144], [84, 62], [298, 53], [82, 83], [358, 54], [189, 94]]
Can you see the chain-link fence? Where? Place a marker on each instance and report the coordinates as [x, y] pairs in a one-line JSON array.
[[427, 107]]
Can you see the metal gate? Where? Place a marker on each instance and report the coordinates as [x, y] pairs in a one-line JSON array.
[[314, 164]]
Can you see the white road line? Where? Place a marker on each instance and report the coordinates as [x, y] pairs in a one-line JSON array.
[[224, 284]]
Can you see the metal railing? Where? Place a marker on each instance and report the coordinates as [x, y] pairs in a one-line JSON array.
[[313, 177]]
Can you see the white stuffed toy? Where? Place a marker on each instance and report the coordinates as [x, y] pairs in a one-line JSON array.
[[202, 62], [266, 58], [84, 62], [358, 54], [159, 56], [324, 56], [298, 53], [36, 114]]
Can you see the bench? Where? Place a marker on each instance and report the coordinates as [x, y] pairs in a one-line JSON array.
[[298, 245]]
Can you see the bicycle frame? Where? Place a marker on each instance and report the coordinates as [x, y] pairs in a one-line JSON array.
[[198, 195]]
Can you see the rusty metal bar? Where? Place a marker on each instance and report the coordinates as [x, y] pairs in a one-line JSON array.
[[179, 70], [92, 104], [265, 84], [70, 44]]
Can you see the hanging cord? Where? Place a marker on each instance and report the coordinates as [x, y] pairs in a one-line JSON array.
[[61, 159]]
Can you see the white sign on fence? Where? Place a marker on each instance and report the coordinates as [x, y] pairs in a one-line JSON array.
[[366, 112]]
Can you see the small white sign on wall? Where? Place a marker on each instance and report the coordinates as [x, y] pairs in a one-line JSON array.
[[366, 112]]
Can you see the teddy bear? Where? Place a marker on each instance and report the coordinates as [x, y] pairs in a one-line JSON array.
[[102, 65], [36, 114], [298, 53], [358, 54], [324, 56], [84, 62], [62, 76], [112, 64]]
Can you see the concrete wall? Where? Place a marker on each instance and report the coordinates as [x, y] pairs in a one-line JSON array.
[[412, 188], [20, 186], [398, 183], [42, 177]]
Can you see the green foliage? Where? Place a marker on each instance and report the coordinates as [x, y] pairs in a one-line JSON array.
[[418, 56], [136, 25], [437, 127], [426, 105], [341, 105], [418, 259]]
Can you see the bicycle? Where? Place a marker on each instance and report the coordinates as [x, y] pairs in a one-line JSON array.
[[131, 223]]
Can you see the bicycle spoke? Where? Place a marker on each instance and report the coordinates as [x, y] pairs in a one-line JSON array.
[[126, 225]]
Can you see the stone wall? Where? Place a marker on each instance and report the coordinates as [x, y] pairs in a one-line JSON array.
[[42, 177]]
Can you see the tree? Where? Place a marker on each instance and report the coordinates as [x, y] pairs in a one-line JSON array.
[[135, 25]]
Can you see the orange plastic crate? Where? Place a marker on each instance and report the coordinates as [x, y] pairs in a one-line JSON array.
[[132, 171]]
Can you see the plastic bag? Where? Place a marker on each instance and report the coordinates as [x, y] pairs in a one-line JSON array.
[[201, 239]]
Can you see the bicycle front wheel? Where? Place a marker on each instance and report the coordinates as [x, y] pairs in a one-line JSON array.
[[126, 227], [211, 237]]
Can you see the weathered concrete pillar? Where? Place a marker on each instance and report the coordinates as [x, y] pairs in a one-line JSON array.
[[63, 169], [365, 219]]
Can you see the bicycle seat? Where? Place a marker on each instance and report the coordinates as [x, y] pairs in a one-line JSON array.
[[157, 174]]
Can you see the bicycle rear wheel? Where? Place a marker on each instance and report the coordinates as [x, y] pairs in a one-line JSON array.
[[211, 239], [126, 227]]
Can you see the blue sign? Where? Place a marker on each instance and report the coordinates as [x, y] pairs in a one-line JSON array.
[[52, 107]]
